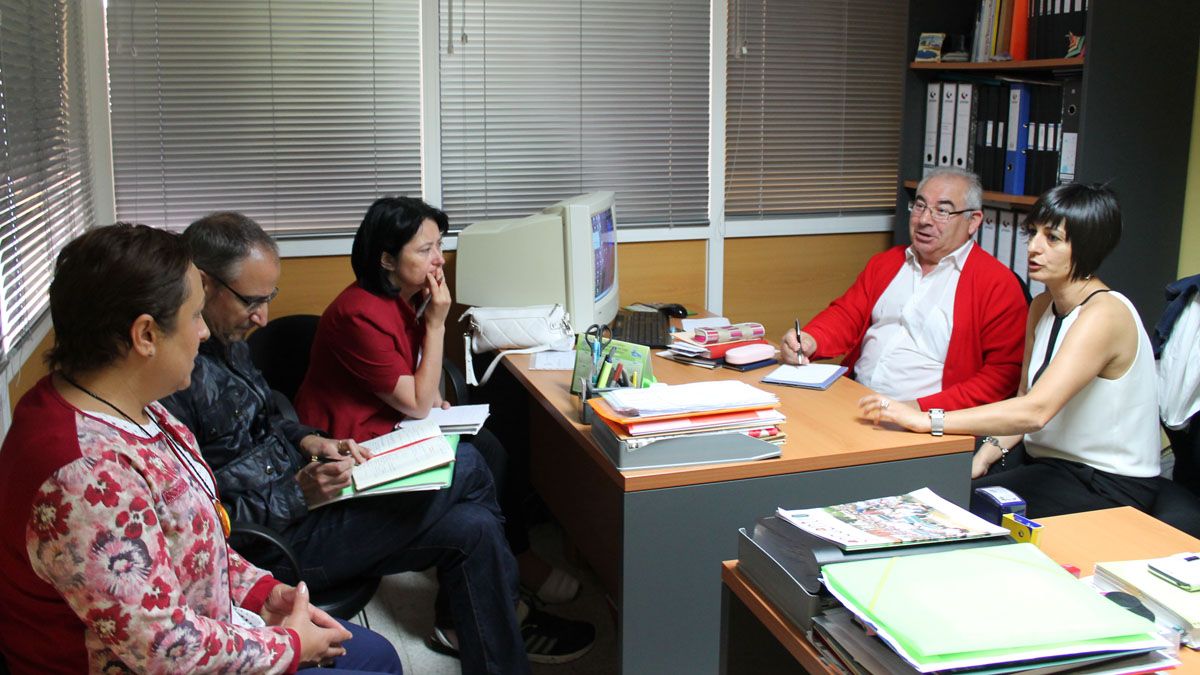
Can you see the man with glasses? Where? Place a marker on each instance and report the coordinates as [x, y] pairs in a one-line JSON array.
[[271, 470], [938, 324]]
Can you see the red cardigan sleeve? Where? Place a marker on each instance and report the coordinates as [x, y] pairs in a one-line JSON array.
[[840, 327]]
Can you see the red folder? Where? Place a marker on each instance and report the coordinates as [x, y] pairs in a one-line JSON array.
[[1020, 30]]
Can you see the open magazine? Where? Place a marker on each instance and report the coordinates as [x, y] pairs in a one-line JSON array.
[[919, 517]]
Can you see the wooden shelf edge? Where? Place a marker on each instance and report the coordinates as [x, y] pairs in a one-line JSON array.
[[1035, 64], [993, 197]]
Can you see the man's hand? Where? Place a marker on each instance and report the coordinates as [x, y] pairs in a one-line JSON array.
[[334, 449], [321, 637], [321, 481], [796, 350]]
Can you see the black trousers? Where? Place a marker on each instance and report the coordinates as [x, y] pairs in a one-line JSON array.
[[1053, 487]]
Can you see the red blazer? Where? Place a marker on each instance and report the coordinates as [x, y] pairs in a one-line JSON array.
[[987, 343]]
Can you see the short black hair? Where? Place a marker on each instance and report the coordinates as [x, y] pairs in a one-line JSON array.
[[1090, 217], [103, 281], [220, 241], [390, 223]]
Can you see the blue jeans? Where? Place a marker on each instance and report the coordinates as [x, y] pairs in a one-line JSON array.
[[458, 530], [366, 652]]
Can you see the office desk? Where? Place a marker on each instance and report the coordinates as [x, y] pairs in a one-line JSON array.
[[655, 537], [1079, 539]]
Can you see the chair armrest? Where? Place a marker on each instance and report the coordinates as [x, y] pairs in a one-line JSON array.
[[256, 531], [285, 406], [458, 383]]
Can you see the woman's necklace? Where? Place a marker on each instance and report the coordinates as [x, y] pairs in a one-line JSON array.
[[187, 462]]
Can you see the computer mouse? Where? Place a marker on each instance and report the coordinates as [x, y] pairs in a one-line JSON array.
[[677, 311]]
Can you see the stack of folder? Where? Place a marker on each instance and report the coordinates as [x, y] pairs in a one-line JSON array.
[[685, 349], [1020, 137], [996, 609], [680, 425], [899, 585]]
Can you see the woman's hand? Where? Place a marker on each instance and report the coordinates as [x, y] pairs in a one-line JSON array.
[[878, 409], [987, 455], [321, 637], [438, 294]]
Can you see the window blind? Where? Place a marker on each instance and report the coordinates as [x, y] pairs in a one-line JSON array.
[[813, 105], [298, 113], [545, 99], [46, 196]]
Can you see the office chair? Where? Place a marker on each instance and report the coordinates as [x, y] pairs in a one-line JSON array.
[[344, 601], [281, 350]]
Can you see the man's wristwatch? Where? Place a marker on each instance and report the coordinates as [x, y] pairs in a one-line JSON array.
[[937, 421]]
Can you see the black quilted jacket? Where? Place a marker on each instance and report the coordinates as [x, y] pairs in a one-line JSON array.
[[251, 447]]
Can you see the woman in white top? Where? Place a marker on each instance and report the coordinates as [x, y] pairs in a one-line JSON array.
[[1087, 408]]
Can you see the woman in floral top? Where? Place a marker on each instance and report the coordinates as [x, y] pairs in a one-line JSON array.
[[112, 552]]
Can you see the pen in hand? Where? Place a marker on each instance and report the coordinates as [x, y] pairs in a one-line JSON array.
[[801, 360]]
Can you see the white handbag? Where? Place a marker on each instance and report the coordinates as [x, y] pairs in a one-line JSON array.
[[514, 330]]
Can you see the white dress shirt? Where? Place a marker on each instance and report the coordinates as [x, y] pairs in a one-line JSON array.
[[904, 350]]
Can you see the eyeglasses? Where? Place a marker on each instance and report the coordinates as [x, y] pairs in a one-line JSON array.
[[939, 214], [253, 302]]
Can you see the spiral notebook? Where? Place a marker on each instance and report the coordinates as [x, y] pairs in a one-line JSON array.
[[812, 376]]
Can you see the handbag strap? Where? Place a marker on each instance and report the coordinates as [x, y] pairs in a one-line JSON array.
[[487, 374]]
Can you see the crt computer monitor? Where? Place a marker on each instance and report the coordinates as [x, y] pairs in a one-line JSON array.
[[567, 254]]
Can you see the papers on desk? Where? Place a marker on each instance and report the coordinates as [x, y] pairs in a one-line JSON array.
[[690, 325], [684, 398], [1172, 606], [970, 608], [458, 419], [812, 376], [553, 360]]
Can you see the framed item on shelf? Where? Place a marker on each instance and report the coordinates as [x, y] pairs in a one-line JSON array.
[[929, 46]]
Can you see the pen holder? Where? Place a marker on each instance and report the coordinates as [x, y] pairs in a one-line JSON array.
[[589, 391]]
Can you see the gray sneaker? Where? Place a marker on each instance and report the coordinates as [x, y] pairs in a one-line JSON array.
[[553, 639]]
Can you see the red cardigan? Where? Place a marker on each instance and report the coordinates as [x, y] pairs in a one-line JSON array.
[[987, 343]]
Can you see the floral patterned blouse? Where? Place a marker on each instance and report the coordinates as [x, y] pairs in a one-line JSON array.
[[120, 564]]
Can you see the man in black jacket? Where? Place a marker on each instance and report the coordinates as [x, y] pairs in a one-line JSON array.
[[270, 470]]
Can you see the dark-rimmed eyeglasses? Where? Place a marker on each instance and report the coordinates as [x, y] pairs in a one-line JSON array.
[[939, 214], [252, 302]]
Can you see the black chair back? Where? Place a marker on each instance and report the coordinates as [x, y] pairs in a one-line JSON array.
[[281, 351]]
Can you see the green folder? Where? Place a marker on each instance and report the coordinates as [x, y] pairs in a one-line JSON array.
[[994, 603]]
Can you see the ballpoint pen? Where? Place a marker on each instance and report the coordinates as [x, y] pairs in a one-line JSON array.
[[800, 360]]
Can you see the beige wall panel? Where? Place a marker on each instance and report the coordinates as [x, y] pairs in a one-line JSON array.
[[308, 285], [662, 271], [774, 280]]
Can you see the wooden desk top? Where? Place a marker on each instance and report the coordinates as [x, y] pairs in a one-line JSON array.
[[823, 429], [1079, 539]]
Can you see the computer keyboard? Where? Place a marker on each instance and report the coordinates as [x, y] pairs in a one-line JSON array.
[[652, 329]]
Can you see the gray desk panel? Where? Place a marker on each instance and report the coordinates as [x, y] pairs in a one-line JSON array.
[[674, 540]]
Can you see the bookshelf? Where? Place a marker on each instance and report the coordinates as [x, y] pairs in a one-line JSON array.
[[1134, 130], [1073, 63]]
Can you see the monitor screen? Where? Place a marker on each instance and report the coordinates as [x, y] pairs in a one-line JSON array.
[[604, 252]]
